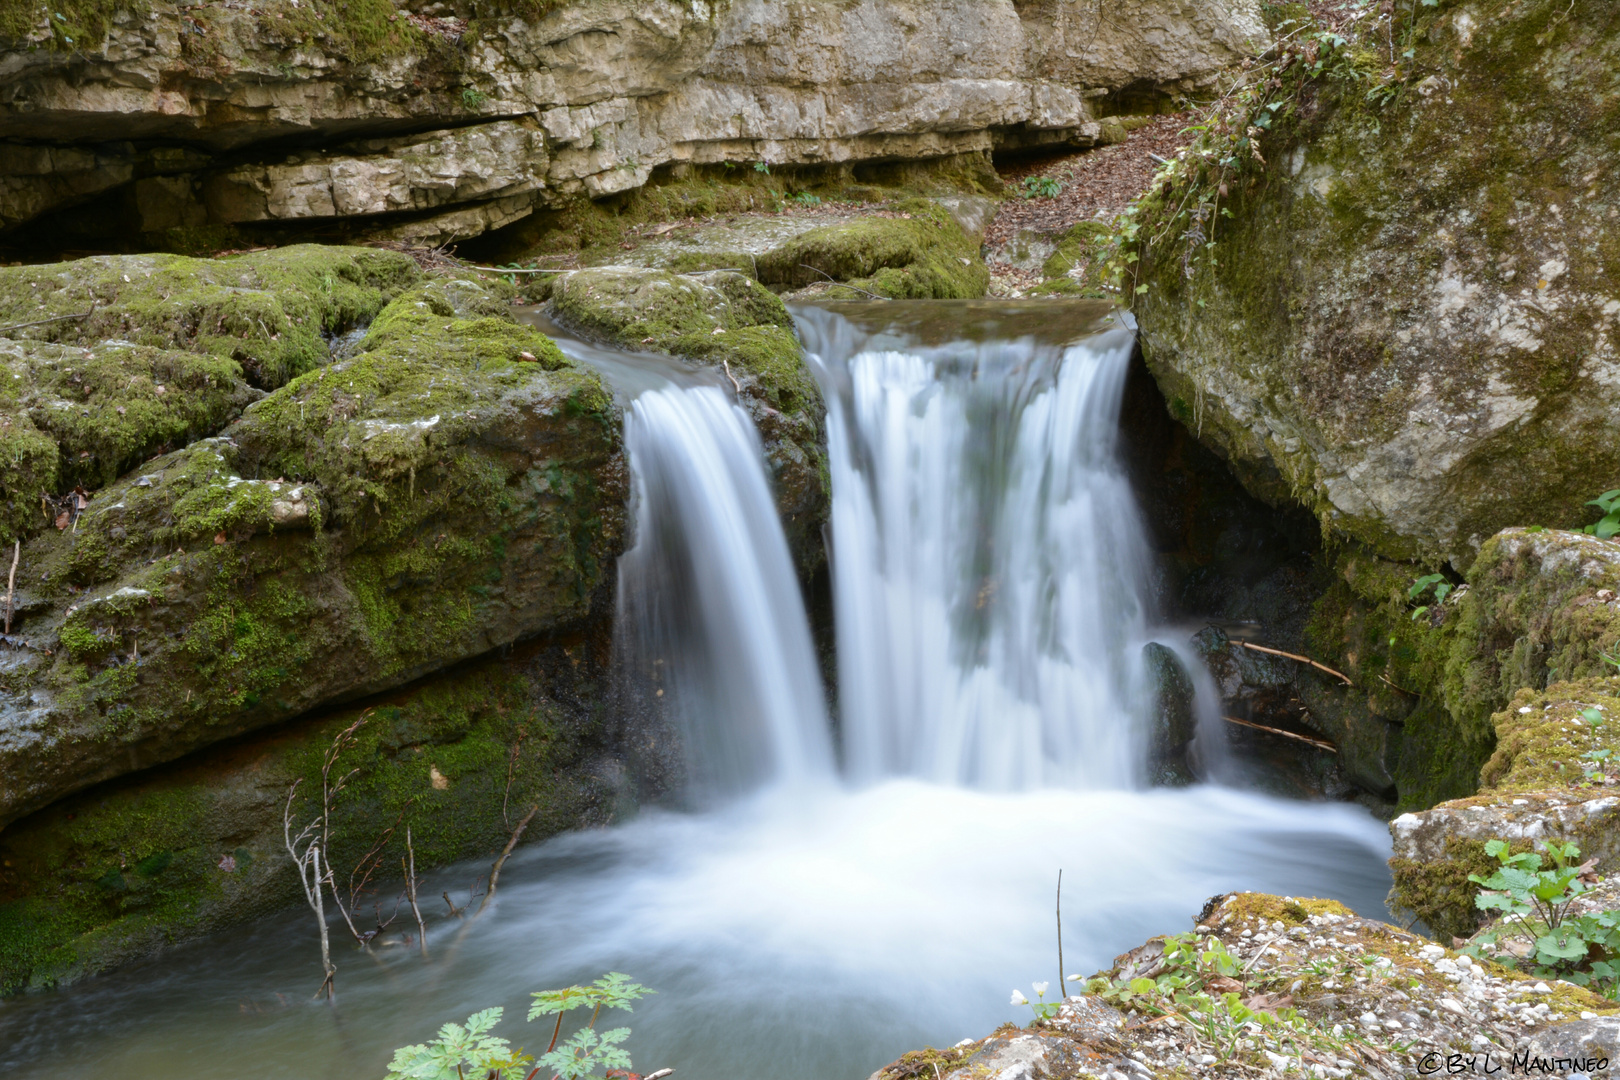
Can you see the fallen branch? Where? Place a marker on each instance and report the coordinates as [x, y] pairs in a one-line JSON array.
[[495, 871], [835, 281], [42, 322], [735, 385], [1295, 656], [1320, 744]]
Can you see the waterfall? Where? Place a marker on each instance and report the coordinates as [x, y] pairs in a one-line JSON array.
[[711, 628], [988, 560]]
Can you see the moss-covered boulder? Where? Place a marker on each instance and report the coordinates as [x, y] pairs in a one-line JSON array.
[[730, 321], [1390, 291], [452, 487], [75, 416], [132, 866], [912, 250], [1553, 777], [270, 311]]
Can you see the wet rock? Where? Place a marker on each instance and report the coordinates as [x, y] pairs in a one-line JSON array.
[[729, 321], [1579, 1040], [1175, 716], [430, 498], [1410, 327]]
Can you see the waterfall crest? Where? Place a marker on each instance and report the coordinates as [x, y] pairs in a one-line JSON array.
[[988, 560]]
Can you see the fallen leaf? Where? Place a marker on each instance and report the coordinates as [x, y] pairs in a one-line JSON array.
[[219, 538], [529, 356], [1221, 984]]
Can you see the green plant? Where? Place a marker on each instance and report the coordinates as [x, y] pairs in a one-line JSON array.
[[458, 1049], [472, 99], [804, 198], [463, 1052], [1535, 904], [1442, 589], [1043, 186], [762, 167], [1044, 1010], [1609, 524]]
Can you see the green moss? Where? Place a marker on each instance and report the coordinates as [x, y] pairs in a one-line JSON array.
[[1439, 892], [269, 311], [916, 251], [71, 26], [1076, 265], [1543, 737], [419, 502], [122, 871]]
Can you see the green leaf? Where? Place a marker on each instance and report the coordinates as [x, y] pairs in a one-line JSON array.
[[1593, 717], [1421, 585], [1140, 289], [1550, 948]]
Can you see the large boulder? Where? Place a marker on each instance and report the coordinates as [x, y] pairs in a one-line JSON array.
[[1389, 292], [726, 320], [453, 486]]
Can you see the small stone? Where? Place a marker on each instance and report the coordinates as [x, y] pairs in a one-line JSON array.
[[1542, 988]]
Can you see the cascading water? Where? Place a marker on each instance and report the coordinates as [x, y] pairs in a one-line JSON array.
[[711, 631], [988, 561], [988, 586]]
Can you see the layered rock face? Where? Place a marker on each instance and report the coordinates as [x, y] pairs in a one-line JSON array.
[[180, 117], [1406, 318]]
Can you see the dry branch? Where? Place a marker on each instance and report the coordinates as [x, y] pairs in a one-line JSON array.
[[1320, 744]]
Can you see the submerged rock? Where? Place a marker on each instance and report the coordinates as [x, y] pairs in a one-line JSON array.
[[1406, 318], [453, 486], [728, 320]]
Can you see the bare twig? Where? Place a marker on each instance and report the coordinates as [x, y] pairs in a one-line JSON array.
[[1402, 689], [455, 912], [841, 284], [1320, 744], [735, 385], [410, 890], [511, 768], [1295, 656], [308, 861], [495, 871], [42, 322], [11, 582], [1063, 989]]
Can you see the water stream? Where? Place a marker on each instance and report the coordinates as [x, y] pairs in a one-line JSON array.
[[812, 920]]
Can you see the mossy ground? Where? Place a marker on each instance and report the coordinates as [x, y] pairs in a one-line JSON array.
[[124, 870], [915, 251]]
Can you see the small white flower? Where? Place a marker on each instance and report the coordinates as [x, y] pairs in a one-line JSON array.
[[1074, 978], [1018, 998], [1040, 988]]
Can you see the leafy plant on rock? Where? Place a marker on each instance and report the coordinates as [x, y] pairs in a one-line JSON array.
[[1535, 902], [1605, 527]]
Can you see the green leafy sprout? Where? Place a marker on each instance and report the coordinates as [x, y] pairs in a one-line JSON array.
[[466, 1051], [1042, 187], [1609, 524], [1535, 901], [1442, 589]]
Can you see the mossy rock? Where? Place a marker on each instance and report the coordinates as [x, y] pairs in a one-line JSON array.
[[913, 250], [72, 416], [1075, 267], [1407, 320], [133, 866], [730, 321], [452, 487], [271, 312]]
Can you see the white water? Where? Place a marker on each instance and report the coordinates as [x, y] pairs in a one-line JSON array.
[[988, 562], [813, 929], [710, 623]]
